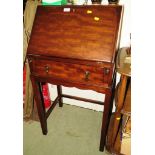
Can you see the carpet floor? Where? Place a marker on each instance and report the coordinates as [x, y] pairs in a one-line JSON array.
[[71, 131]]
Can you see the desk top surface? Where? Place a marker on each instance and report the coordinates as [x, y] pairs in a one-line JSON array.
[[79, 32]]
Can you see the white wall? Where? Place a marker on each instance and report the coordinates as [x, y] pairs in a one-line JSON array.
[[126, 27], [80, 93], [125, 41]]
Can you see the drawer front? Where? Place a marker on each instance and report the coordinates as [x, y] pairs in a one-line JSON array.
[[76, 73]]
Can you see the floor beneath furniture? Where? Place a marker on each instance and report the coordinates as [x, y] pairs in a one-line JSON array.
[[71, 131]]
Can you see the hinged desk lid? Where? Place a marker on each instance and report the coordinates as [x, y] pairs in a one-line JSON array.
[[79, 32]]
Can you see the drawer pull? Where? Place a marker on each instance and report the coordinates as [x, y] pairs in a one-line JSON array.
[[106, 71], [46, 69], [30, 60], [87, 74]]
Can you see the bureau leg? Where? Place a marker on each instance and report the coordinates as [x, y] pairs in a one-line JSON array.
[[105, 120], [40, 105], [59, 89]]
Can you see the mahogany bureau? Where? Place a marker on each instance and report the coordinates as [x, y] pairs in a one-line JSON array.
[[75, 46]]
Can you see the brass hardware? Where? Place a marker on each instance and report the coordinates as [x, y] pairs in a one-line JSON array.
[[106, 71], [87, 74], [30, 60], [46, 69]]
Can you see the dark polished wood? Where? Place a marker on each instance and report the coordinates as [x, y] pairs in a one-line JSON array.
[[75, 46], [85, 32], [83, 99], [40, 105], [52, 107], [108, 105], [67, 71], [59, 89]]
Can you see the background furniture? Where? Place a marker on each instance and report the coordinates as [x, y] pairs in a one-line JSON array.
[[121, 120], [75, 46], [30, 110]]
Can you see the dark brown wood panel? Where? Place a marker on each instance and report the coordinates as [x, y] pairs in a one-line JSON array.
[[76, 34], [66, 83], [71, 72]]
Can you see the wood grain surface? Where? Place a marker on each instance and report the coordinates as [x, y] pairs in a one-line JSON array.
[[85, 32], [75, 46], [71, 72]]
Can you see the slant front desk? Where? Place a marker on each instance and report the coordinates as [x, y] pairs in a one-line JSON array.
[[75, 46]]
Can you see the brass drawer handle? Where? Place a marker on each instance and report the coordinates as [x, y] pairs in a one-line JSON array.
[[106, 71], [46, 69], [87, 74], [30, 60]]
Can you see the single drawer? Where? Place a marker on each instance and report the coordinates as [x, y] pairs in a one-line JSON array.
[[77, 73]]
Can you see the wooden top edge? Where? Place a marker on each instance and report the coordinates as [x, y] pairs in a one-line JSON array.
[[61, 6]]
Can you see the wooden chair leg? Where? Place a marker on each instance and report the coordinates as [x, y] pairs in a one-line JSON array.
[[40, 106], [59, 89]]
